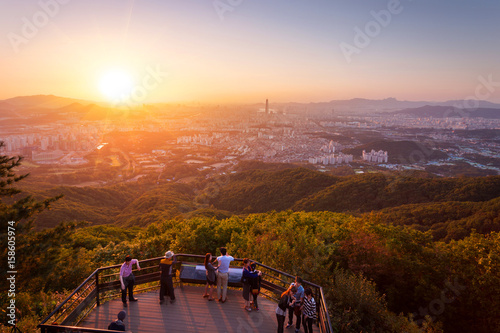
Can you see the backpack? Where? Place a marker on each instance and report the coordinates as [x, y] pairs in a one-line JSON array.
[[283, 303], [255, 285]]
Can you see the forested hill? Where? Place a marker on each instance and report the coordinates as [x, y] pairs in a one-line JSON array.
[[261, 191], [370, 272], [388, 248], [376, 191], [422, 203], [302, 189], [130, 204]]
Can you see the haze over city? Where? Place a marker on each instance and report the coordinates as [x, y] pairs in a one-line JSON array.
[[243, 51]]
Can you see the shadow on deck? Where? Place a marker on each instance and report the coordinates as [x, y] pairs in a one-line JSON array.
[[96, 302], [190, 313]]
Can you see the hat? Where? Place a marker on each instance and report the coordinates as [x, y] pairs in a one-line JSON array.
[[169, 254], [121, 315]]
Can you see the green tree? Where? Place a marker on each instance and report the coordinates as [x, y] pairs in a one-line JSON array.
[[15, 207]]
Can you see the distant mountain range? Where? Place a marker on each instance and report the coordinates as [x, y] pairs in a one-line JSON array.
[[40, 101], [49, 108], [361, 105], [437, 111], [357, 105]]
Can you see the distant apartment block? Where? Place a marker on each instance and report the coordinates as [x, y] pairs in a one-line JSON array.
[[375, 156], [196, 139], [331, 159], [329, 148]]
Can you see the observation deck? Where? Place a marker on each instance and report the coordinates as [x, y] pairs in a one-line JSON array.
[[96, 302]]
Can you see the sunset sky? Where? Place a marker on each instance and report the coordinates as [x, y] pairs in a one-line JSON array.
[[248, 50]]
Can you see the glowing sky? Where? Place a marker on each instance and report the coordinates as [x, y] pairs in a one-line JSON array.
[[248, 50]]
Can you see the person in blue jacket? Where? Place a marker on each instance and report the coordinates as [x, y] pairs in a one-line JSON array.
[[246, 277]]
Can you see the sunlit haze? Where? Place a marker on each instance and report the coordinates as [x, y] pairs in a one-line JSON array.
[[244, 51], [116, 85]]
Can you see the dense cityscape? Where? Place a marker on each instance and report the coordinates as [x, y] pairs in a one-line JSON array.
[[215, 139]]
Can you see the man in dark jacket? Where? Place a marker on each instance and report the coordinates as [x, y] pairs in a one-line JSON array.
[[167, 286], [118, 324]]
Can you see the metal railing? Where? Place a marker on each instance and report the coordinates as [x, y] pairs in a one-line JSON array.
[[104, 283]]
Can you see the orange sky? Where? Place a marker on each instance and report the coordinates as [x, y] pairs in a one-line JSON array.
[[284, 50]]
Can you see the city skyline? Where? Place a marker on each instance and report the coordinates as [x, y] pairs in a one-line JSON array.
[[240, 51]]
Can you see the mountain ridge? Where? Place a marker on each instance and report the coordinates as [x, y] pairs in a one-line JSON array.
[[355, 104], [438, 111]]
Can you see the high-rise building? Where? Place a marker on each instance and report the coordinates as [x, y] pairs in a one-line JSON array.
[[267, 106]]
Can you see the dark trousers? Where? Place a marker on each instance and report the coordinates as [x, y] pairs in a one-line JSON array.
[[308, 324], [290, 317], [167, 287], [299, 319], [281, 322], [129, 282], [255, 301]]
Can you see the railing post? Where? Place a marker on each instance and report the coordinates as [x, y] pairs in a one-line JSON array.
[[97, 287]]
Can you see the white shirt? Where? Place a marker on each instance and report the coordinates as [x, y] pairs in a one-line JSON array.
[[224, 263]]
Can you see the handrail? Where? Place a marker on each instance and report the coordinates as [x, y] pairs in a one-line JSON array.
[[79, 329], [321, 293], [69, 297], [325, 308], [78, 297], [99, 280]]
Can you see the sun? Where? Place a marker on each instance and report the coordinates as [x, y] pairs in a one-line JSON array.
[[116, 85]]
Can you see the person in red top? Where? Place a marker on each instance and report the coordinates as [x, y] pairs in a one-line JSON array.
[[127, 279]]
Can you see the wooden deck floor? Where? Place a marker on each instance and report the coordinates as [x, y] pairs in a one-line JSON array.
[[190, 313]]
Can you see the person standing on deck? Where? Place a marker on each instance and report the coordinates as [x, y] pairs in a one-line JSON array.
[[167, 286], [211, 274], [285, 302], [223, 274], [308, 311], [255, 285], [127, 279], [246, 278], [295, 309]]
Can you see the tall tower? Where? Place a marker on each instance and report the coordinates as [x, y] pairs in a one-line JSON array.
[[267, 106]]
